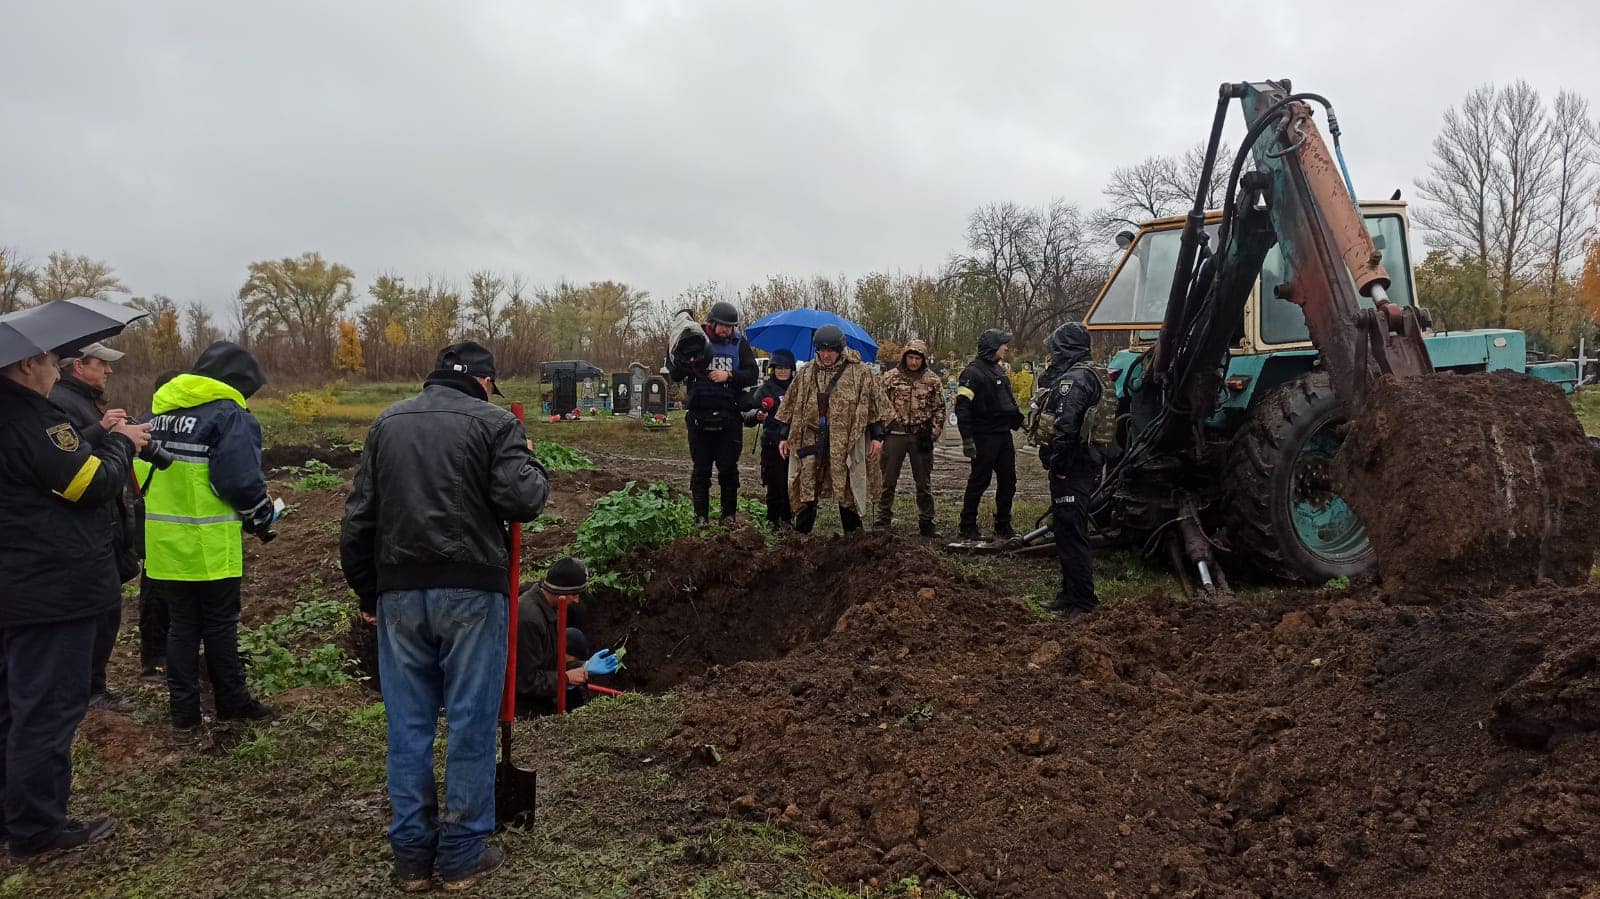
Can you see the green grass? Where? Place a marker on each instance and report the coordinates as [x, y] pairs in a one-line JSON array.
[[1587, 404]]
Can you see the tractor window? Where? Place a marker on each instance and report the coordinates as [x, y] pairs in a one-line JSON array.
[[1137, 294], [1282, 321]]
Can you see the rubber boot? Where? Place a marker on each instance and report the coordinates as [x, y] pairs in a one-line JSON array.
[[806, 518], [851, 519]]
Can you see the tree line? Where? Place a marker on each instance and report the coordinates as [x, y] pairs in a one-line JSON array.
[[1508, 209]]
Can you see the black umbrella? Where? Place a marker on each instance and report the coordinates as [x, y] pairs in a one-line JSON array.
[[61, 327]]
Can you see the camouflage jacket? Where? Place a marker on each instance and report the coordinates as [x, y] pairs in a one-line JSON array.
[[915, 400]]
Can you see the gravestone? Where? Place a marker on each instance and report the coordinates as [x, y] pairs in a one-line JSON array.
[[621, 390]]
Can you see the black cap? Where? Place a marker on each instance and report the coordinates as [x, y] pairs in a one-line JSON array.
[[566, 576], [471, 358]]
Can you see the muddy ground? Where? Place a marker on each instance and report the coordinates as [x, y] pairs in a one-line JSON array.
[[828, 717]]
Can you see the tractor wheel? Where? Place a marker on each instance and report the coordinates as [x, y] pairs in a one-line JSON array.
[[1283, 513]]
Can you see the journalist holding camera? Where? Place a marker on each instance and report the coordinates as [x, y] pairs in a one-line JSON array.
[[196, 512]]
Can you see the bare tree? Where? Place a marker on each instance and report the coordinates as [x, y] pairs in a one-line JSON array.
[[1142, 191], [1189, 169], [1030, 266], [1573, 145], [1492, 185]]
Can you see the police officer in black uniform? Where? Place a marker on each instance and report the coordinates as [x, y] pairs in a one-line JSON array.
[[716, 431], [58, 575], [986, 414], [1072, 390]]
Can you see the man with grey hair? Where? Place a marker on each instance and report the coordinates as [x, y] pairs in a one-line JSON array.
[[81, 393]]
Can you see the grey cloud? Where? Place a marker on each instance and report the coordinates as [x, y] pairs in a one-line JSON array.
[[667, 143]]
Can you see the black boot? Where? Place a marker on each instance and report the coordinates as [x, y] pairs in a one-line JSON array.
[[730, 505], [851, 519], [807, 518], [971, 532], [1002, 530], [927, 529]]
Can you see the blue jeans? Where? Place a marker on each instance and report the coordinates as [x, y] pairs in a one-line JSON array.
[[441, 648]]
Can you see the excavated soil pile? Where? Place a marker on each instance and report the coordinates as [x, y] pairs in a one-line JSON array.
[[1472, 482], [1329, 746], [715, 601]]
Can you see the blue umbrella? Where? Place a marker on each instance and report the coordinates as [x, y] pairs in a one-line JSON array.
[[791, 330]]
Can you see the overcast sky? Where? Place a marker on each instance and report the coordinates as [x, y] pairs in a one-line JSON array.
[[667, 143]]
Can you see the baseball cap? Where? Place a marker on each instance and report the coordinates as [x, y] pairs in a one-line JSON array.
[[95, 351], [469, 357]]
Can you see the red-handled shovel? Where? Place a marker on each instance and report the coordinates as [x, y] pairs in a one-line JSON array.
[[515, 789]]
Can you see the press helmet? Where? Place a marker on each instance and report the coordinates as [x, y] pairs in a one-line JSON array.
[[724, 313]]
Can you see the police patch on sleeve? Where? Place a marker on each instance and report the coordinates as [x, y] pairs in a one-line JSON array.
[[1064, 388], [64, 437]]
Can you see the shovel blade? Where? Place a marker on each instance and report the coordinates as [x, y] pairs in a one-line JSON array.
[[515, 795]]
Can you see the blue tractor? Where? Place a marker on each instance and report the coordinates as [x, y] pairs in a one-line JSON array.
[[1252, 330]]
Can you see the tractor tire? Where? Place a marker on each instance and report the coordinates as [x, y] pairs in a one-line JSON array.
[[1283, 514]]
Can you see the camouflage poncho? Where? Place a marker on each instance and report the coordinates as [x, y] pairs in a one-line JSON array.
[[856, 402]]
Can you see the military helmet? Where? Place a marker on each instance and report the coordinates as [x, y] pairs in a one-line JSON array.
[[723, 313], [828, 337]]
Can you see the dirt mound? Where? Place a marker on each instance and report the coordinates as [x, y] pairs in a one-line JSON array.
[[119, 743], [338, 457], [724, 599], [1479, 481], [1330, 745]]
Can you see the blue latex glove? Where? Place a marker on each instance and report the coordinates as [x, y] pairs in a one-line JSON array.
[[602, 662]]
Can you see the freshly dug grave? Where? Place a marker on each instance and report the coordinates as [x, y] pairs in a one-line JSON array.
[[1472, 482], [719, 600], [1330, 745]]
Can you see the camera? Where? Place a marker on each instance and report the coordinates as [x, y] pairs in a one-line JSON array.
[[157, 455]]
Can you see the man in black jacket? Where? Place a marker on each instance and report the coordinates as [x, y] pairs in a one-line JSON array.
[[715, 379], [1071, 391], [537, 679], [986, 414], [58, 576], [424, 547], [81, 393]]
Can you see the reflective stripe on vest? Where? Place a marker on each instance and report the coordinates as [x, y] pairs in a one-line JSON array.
[[190, 533]]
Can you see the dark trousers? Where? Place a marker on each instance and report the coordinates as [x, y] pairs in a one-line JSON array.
[[775, 476], [996, 458], [531, 706], [105, 639], [203, 612], [806, 518], [152, 626], [718, 446], [1069, 521], [897, 448], [44, 692]]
